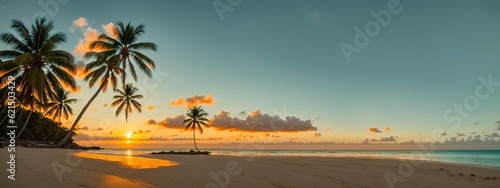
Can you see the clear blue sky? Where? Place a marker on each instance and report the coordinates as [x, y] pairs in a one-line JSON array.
[[272, 55]]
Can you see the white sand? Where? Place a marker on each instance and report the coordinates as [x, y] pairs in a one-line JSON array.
[[34, 169]]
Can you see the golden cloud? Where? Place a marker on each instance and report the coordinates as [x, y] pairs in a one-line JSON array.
[[90, 35], [374, 130], [109, 29], [194, 100]]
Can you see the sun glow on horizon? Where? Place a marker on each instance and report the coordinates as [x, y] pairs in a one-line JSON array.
[[129, 134]]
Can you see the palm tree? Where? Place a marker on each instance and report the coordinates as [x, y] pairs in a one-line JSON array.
[[102, 69], [115, 52], [195, 118], [35, 62], [125, 99], [59, 107], [123, 43]]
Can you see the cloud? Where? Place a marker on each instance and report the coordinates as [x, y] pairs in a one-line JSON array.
[[194, 100], [366, 141], [110, 132], [374, 130], [243, 113], [151, 122], [387, 128], [327, 129], [109, 29], [258, 122], [90, 35], [386, 139], [105, 105], [151, 107], [80, 23], [78, 128], [444, 134], [494, 135], [4, 7], [460, 134], [209, 138], [141, 131], [270, 135], [317, 134], [173, 122], [83, 136], [98, 129], [80, 70]]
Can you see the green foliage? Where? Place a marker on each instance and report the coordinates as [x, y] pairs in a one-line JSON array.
[[39, 128]]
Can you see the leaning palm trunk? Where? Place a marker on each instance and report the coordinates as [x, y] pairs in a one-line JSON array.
[[68, 135], [25, 123], [2, 133], [3, 120]]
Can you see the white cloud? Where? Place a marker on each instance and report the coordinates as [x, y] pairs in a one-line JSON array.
[[109, 29], [81, 23]]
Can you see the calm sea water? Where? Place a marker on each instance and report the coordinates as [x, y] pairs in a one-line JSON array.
[[488, 158]]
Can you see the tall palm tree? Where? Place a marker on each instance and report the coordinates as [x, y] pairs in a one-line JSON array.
[[117, 50], [125, 99], [102, 69], [123, 43], [35, 62], [59, 106], [196, 117]]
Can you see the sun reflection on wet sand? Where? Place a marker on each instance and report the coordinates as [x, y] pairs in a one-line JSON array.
[[129, 161], [115, 181]]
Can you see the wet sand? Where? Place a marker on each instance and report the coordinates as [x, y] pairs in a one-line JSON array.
[[65, 168]]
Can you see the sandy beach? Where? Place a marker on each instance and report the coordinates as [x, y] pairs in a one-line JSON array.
[[35, 168]]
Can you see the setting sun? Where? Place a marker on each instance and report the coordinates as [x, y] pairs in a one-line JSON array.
[[129, 134]]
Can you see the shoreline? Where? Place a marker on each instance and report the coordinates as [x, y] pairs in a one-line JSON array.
[[328, 154], [211, 171]]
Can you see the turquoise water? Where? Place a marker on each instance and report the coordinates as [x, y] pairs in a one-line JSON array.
[[488, 158]]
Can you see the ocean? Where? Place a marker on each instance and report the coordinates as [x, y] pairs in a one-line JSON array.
[[486, 158]]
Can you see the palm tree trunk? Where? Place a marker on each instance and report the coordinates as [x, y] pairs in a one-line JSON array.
[[1, 130], [68, 135], [3, 120], [26, 122], [194, 138]]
